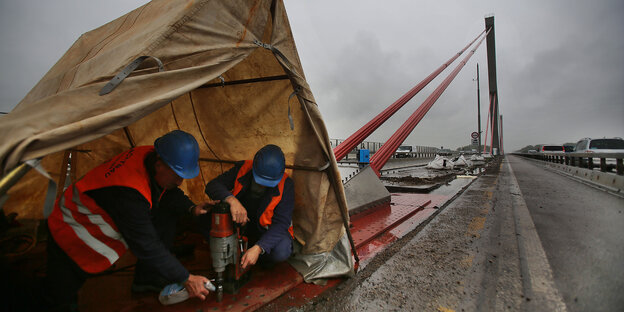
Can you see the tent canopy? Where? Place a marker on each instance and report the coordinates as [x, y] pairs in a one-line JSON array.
[[231, 77]]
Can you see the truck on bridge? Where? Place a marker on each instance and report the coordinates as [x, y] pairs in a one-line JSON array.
[[404, 151]]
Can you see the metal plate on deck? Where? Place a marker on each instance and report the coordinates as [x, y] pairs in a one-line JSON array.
[[384, 218]]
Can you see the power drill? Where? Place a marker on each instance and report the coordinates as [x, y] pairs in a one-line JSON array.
[[227, 246]]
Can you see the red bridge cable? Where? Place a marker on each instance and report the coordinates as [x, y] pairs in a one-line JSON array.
[[359, 136], [379, 159]]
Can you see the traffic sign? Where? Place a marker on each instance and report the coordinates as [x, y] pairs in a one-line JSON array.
[[475, 142], [474, 135]]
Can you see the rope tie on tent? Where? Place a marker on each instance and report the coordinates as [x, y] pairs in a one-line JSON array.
[[113, 83], [325, 166], [278, 54], [290, 119], [51, 193]]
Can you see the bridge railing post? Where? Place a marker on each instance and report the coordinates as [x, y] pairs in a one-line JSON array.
[[584, 160], [603, 164]]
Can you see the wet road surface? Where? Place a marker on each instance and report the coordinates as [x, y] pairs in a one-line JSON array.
[[582, 231], [519, 238]]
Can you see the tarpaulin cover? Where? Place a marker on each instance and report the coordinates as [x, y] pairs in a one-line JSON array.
[[219, 83]]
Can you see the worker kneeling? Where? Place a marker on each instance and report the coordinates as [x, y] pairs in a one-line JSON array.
[[261, 196]]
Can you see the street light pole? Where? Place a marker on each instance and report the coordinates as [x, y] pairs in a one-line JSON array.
[[479, 107]]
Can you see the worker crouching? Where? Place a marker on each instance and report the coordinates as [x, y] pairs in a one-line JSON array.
[[261, 196], [130, 202]]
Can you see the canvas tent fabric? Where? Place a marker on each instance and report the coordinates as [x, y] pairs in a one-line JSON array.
[[232, 78]]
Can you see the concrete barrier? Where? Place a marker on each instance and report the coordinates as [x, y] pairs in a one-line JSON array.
[[609, 180], [364, 191]]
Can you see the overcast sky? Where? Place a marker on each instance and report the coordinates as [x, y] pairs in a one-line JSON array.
[[560, 63]]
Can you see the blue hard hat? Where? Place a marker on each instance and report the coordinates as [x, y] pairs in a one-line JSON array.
[[180, 151], [269, 165]]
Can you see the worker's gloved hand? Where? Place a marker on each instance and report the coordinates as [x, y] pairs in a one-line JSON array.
[[203, 208], [239, 213], [195, 285], [251, 256]]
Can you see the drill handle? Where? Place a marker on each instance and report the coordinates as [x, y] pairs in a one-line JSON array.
[[242, 248]]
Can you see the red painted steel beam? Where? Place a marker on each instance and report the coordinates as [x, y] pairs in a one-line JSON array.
[[380, 158], [359, 136], [384, 219]]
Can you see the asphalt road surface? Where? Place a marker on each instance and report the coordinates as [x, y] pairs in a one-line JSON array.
[[519, 238], [582, 231]]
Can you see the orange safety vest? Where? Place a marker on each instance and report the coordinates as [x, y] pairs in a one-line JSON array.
[[267, 215], [83, 229]]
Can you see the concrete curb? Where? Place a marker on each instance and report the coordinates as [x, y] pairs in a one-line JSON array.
[[537, 277], [610, 181]]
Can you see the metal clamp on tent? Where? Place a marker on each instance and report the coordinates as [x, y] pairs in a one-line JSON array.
[[113, 83], [275, 51], [264, 45]]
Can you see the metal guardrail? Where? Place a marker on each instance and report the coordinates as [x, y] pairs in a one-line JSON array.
[[582, 160]]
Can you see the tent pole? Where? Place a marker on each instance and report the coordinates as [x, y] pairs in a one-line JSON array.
[[244, 81], [293, 167], [12, 177]]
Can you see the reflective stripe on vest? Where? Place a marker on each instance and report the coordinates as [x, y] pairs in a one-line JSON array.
[[84, 230], [267, 215]]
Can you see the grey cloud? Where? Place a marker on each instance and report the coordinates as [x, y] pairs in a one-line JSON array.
[[560, 70]]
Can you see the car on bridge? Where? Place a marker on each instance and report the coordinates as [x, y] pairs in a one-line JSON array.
[[551, 149], [604, 145]]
